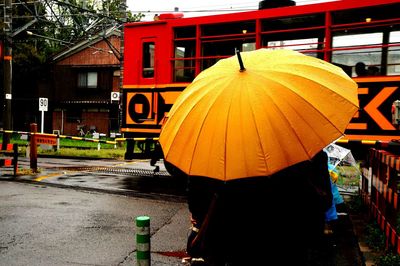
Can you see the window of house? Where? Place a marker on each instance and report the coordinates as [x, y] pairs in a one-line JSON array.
[[87, 80], [74, 115]]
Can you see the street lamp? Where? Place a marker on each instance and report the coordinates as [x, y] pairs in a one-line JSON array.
[[7, 71]]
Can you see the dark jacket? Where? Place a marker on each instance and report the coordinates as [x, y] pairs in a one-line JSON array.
[[256, 219]]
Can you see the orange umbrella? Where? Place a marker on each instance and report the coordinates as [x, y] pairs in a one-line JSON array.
[[281, 108]]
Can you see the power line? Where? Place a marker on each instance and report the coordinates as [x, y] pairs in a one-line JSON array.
[[232, 6], [244, 6], [193, 11]]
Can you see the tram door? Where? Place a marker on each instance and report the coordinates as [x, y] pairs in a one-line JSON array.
[[145, 106]]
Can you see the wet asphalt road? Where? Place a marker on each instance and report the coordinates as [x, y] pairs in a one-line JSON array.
[[82, 212], [45, 225], [134, 177]]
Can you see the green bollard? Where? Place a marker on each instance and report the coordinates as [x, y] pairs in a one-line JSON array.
[[143, 240]]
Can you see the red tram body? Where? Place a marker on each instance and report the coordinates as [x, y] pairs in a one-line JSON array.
[[363, 37], [162, 57]]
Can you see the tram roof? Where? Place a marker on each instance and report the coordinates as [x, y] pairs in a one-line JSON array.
[[265, 13]]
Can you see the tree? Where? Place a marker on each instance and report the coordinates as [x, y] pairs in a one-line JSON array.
[[41, 28], [73, 20]]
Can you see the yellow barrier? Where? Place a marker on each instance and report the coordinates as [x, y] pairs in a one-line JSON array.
[[77, 138]]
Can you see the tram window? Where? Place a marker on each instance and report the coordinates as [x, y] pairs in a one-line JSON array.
[[309, 42], [301, 45], [216, 50], [185, 32], [302, 33], [148, 59], [229, 28], [226, 48], [394, 54], [248, 46], [184, 64], [185, 49], [375, 13], [183, 73], [299, 22], [350, 49]]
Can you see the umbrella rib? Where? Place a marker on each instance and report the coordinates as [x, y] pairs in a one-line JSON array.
[[253, 112], [319, 84], [312, 80], [284, 117], [191, 109], [226, 135], [202, 125]]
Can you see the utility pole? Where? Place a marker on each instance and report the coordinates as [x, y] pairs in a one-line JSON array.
[[7, 63], [122, 9]]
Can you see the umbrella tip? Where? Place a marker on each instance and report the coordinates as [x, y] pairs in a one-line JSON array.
[[242, 68]]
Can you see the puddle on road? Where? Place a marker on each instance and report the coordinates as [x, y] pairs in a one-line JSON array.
[[178, 254]]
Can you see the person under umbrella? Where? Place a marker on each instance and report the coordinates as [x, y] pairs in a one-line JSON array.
[[249, 139], [258, 221]]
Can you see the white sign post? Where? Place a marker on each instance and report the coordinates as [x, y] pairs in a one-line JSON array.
[[43, 107]]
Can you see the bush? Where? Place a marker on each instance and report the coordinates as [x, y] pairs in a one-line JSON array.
[[388, 260], [355, 205], [374, 237]]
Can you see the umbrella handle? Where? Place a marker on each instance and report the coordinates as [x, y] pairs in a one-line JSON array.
[[242, 68]]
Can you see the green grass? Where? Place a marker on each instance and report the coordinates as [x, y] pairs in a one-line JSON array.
[[388, 259], [349, 176], [76, 148], [91, 153], [374, 237]]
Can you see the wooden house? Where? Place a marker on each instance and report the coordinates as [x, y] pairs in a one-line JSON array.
[[86, 81]]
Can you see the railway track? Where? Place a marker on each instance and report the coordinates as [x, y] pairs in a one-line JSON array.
[[117, 170], [133, 178]]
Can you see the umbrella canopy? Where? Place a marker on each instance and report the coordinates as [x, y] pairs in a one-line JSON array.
[[341, 159], [280, 108], [338, 155]]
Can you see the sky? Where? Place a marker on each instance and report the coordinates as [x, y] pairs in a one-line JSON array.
[[203, 7]]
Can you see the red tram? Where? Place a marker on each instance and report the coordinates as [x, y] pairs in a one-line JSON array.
[[162, 57]]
